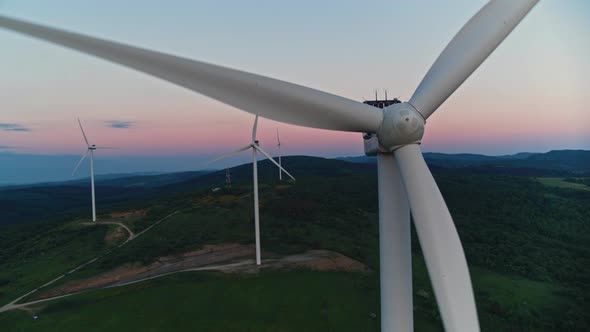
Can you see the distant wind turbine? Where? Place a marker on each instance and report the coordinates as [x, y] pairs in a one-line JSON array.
[[227, 178], [90, 150], [254, 145], [280, 163]]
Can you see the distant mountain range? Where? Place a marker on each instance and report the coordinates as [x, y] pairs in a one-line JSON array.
[[22, 168], [127, 180], [556, 162]]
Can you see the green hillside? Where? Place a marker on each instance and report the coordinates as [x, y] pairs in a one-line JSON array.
[[528, 246]]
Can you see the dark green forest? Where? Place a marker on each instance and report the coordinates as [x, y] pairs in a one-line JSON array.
[[527, 243]]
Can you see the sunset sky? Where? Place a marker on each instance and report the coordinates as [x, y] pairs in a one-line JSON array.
[[530, 95]]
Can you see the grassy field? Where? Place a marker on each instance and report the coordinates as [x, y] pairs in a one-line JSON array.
[[560, 183], [506, 302], [272, 301], [296, 301], [48, 255]]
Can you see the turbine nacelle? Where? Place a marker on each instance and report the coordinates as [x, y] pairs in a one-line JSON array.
[[402, 124]]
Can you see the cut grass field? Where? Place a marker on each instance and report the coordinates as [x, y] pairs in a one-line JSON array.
[[561, 183], [295, 300], [50, 255], [106, 242]]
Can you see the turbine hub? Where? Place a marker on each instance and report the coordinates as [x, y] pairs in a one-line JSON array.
[[402, 125]]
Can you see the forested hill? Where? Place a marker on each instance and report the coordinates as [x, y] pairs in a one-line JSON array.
[[552, 163], [59, 200], [49, 201], [38, 203]]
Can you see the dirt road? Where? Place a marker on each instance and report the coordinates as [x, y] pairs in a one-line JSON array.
[[12, 305], [200, 260]]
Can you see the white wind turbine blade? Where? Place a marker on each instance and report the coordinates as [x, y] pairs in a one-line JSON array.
[[254, 129], [478, 38], [439, 241], [83, 133], [257, 147], [80, 162], [274, 99], [230, 154]]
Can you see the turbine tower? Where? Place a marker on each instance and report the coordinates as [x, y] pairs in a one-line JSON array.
[[280, 163], [227, 179], [89, 150], [255, 146], [393, 134]]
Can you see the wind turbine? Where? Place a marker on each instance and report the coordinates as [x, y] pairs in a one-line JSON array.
[[255, 146], [404, 180], [227, 178], [90, 150], [279, 148]]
